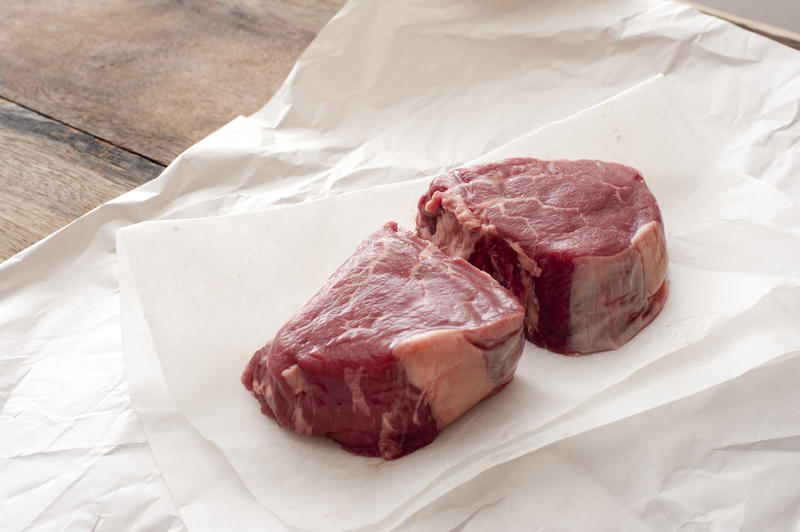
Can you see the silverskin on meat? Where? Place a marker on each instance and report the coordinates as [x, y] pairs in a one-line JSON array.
[[398, 343], [580, 243]]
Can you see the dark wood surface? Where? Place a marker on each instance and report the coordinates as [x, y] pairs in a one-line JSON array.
[[97, 97], [52, 173], [154, 76]]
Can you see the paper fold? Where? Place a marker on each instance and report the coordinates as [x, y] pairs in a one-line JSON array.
[[361, 109], [210, 300]]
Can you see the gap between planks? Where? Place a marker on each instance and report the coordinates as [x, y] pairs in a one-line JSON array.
[[52, 173]]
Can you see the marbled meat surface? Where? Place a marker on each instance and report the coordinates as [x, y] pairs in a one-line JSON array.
[[399, 342], [580, 243]]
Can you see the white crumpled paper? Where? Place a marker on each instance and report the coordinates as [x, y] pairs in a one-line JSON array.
[[213, 290], [392, 91]]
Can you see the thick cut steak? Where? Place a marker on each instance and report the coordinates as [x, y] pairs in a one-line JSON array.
[[580, 243], [399, 342]]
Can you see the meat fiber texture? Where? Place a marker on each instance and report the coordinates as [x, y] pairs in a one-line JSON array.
[[399, 342], [580, 243]]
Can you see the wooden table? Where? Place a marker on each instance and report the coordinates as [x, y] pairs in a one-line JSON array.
[[97, 98]]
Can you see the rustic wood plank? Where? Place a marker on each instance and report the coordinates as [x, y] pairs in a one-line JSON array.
[[156, 76], [51, 174]]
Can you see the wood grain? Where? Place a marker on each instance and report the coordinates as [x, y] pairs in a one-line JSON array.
[[51, 174], [157, 76]]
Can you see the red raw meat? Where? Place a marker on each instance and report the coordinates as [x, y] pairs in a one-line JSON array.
[[580, 243], [399, 342]]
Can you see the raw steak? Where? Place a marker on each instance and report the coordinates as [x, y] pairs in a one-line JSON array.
[[580, 243], [399, 342]]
